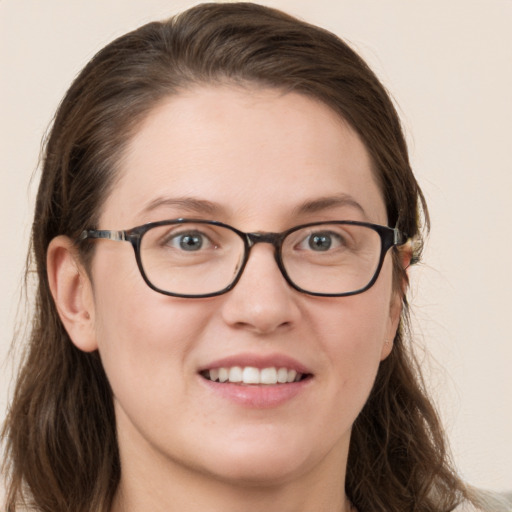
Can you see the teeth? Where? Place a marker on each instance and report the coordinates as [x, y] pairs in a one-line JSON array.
[[282, 375], [268, 376], [235, 374], [251, 375]]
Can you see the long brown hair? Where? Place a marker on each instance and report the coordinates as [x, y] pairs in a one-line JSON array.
[[60, 433]]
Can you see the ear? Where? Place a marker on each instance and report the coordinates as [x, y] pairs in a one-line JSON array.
[[397, 297], [72, 292]]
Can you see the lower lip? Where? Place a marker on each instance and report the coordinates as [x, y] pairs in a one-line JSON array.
[[257, 396]]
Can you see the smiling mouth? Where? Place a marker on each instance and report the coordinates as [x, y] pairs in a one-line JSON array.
[[250, 375]]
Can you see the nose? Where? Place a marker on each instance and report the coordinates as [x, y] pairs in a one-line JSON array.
[[262, 301]]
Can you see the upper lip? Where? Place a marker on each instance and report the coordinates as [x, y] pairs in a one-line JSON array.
[[257, 361]]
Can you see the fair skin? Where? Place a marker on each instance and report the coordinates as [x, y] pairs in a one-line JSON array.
[[258, 156]]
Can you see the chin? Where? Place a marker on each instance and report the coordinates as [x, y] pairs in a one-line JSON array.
[[261, 473], [263, 463]]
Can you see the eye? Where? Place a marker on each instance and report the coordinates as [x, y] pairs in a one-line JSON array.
[[321, 241], [189, 241]]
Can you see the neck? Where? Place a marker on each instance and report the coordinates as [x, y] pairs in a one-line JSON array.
[[228, 498], [157, 483]]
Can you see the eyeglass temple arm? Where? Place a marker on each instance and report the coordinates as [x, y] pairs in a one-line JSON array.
[[399, 238], [103, 233]]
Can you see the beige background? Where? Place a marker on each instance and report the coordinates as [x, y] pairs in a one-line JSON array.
[[448, 64]]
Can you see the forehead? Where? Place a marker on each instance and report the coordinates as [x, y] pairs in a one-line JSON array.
[[251, 153]]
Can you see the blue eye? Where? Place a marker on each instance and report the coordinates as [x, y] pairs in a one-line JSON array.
[[323, 241], [320, 241], [190, 241]]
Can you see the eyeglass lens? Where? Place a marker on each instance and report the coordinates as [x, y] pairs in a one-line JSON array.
[[199, 259]]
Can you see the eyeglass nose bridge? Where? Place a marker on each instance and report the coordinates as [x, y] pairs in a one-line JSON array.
[[264, 237], [275, 239]]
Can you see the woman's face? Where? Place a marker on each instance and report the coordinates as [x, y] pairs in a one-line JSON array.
[[259, 160]]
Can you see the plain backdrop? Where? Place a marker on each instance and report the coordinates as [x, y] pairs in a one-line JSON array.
[[448, 65]]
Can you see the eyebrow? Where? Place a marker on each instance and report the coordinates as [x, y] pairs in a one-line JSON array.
[[203, 207], [328, 202], [188, 204]]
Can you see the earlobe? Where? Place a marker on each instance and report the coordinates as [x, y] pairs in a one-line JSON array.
[[386, 349], [395, 312], [405, 255], [72, 293], [396, 304]]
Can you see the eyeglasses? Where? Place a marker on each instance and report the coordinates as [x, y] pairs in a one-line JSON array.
[[203, 258]]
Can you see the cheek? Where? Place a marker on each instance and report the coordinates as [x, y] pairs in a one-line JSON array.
[[354, 350], [143, 336], [356, 325], [353, 331]]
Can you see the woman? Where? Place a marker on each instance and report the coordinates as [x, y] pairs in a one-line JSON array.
[[249, 350]]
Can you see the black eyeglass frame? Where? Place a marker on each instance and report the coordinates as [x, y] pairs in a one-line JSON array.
[[390, 237]]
